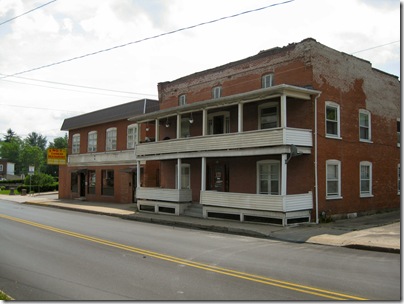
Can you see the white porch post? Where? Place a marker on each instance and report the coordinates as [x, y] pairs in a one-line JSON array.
[[157, 130], [283, 111], [179, 126], [204, 122], [284, 176], [138, 174], [179, 171], [203, 174], [240, 117]]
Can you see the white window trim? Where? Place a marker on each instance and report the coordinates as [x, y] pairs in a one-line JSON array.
[[110, 141], [263, 80], [369, 164], [337, 106], [131, 144], [269, 105], [268, 161], [217, 92], [75, 144], [338, 164], [366, 112], [226, 122], [183, 166], [88, 141], [182, 100]]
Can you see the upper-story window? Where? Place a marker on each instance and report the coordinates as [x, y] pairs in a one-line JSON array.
[[92, 141], [365, 131], [219, 123], [332, 119], [267, 80], [268, 115], [132, 136], [110, 139], [398, 132], [76, 144], [217, 92], [182, 100]]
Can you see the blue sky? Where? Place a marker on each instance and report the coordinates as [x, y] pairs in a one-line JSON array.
[[66, 29]]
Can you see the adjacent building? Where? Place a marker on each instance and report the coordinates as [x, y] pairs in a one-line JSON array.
[[292, 134], [101, 154]]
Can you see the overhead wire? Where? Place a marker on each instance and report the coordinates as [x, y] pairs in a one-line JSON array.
[[375, 47], [148, 38]]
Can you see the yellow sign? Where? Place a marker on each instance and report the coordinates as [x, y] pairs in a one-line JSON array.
[[57, 156]]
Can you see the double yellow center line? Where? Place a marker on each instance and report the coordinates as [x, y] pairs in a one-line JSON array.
[[228, 272]]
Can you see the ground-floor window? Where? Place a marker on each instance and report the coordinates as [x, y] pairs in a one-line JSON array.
[[91, 182], [365, 179], [74, 182], [333, 173], [268, 176], [185, 176], [107, 182]]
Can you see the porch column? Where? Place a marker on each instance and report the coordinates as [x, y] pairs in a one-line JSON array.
[[138, 174], [157, 129], [284, 176], [203, 174], [179, 171], [179, 126], [240, 117], [283, 111], [204, 121]]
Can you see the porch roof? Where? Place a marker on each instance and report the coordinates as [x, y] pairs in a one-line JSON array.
[[256, 95]]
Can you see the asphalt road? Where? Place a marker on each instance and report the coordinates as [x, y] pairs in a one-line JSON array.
[[52, 254]]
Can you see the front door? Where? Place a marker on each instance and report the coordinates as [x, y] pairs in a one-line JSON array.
[[82, 185], [218, 178]]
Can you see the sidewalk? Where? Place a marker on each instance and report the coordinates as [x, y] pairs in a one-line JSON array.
[[379, 232]]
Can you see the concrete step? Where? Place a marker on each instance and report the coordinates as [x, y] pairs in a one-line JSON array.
[[194, 210]]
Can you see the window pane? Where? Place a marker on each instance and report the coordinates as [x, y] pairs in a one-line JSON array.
[[332, 113], [332, 127], [365, 186], [91, 182], [365, 172], [107, 182], [332, 188], [332, 172]]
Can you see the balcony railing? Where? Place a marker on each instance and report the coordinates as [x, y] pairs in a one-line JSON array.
[[113, 157], [262, 202], [164, 194], [229, 141]]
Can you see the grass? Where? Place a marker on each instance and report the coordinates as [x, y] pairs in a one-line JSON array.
[[4, 297], [7, 192]]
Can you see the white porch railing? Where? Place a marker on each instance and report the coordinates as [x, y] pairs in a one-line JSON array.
[[164, 194], [124, 156], [250, 139], [276, 203]]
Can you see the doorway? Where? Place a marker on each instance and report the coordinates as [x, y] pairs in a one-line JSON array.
[[218, 177], [82, 185]]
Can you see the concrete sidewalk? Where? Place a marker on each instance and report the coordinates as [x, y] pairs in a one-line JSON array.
[[379, 232]]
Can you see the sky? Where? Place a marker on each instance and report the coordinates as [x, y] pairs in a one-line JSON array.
[[70, 57]]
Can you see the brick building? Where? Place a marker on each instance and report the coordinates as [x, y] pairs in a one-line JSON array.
[[291, 134], [101, 158]]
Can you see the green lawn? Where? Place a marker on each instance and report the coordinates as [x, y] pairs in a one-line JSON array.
[[7, 192], [4, 297]]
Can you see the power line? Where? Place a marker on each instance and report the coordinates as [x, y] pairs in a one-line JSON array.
[[34, 9], [149, 38], [375, 47]]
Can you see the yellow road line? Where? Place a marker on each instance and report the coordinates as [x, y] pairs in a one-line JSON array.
[[233, 273]]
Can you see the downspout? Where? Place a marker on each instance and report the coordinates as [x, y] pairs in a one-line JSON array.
[[315, 156]]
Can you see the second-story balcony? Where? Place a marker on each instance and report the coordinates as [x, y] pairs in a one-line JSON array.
[[229, 142], [106, 158]]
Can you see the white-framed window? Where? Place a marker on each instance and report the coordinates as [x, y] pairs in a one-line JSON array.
[[365, 130], [182, 100], [333, 176], [268, 177], [92, 141], [76, 144], [219, 123], [267, 80], [268, 115], [398, 179], [365, 177], [332, 119], [110, 144], [185, 176], [217, 92], [398, 132], [131, 136]]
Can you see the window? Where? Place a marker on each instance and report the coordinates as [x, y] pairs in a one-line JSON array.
[[364, 125], [268, 176], [269, 116], [111, 139], [267, 80], [332, 119], [74, 182], [217, 92], [107, 182], [185, 176], [182, 100], [365, 179], [91, 182], [398, 132], [76, 144], [398, 179], [333, 172], [1, 168], [132, 136], [92, 141], [219, 123]]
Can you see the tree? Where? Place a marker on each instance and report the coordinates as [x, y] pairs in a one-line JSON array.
[[36, 140], [31, 155], [59, 143], [9, 136], [10, 150]]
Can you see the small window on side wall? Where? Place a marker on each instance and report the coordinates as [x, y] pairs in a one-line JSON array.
[[332, 120], [333, 176], [217, 92], [365, 179], [182, 100], [365, 131], [267, 80]]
